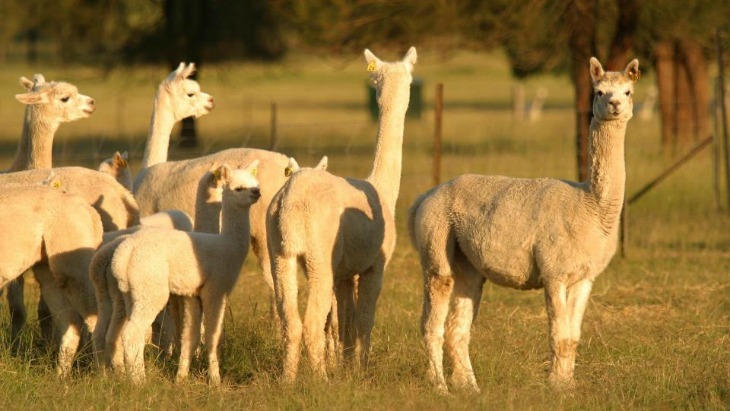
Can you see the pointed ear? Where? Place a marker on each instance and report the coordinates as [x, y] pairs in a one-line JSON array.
[[596, 69], [38, 80], [188, 70], [125, 155], [119, 160], [373, 62], [26, 84], [222, 173], [33, 98], [322, 165], [632, 71], [292, 168], [411, 56]]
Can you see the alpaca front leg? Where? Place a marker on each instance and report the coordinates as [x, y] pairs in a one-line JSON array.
[[285, 287], [437, 291], [369, 285], [562, 346], [468, 284], [578, 295], [189, 330], [16, 305], [319, 304], [214, 307]]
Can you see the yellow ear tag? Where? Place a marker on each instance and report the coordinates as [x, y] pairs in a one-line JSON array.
[[372, 66], [254, 172], [287, 172], [56, 184]]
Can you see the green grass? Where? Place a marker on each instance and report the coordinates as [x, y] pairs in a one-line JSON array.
[[657, 330]]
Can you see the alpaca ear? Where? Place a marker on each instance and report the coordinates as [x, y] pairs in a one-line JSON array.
[[322, 165], [596, 69], [189, 70], [38, 80], [411, 56], [33, 98], [125, 155], [120, 160], [292, 168], [26, 84], [253, 168], [222, 173], [373, 62], [632, 71], [176, 74]]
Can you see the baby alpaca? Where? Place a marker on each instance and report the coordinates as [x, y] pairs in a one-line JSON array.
[[524, 234], [152, 264]]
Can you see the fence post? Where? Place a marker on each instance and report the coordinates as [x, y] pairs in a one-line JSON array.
[[274, 137], [723, 112], [438, 109]]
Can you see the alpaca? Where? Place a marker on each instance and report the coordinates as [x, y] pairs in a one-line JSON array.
[[524, 234], [61, 232], [118, 167], [339, 228], [150, 265], [207, 220]]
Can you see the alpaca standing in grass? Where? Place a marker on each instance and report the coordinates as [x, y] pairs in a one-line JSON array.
[[524, 234], [118, 167], [339, 228], [61, 231], [207, 220], [48, 105], [150, 265]]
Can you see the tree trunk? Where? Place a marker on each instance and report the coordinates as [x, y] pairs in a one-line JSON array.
[[580, 15], [699, 83], [683, 120], [623, 39], [664, 64]]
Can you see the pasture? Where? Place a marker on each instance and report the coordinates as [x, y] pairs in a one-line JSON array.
[[656, 334]]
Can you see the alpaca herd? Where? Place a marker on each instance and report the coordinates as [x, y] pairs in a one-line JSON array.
[[117, 256]]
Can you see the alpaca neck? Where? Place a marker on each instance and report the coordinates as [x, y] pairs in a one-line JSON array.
[[36, 144], [158, 138], [207, 216], [235, 225], [607, 179], [386, 173]]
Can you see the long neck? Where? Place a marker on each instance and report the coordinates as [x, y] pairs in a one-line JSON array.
[[235, 224], [607, 180], [386, 173], [158, 138], [207, 215], [35, 149]]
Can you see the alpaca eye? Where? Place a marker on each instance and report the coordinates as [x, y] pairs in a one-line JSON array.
[[628, 92], [191, 95], [600, 93], [65, 99], [240, 189]]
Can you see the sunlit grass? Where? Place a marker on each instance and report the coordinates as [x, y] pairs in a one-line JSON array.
[[657, 330]]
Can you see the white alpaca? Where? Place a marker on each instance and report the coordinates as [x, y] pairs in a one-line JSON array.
[[340, 228], [151, 264], [118, 167], [207, 220], [524, 234], [170, 185], [60, 231]]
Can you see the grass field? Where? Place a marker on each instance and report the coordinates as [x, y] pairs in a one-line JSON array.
[[657, 329]]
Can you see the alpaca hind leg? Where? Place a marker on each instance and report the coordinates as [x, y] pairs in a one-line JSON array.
[[577, 301], [113, 354], [369, 285], [189, 330], [332, 334], [468, 284], [141, 314], [214, 307], [346, 316], [262, 252], [562, 346], [437, 291], [14, 292], [319, 304], [285, 286]]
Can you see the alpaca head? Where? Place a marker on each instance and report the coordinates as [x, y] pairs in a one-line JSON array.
[[240, 186], [115, 165], [387, 77], [184, 95], [293, 166], [613, 91], [210, 187], [55, 102]]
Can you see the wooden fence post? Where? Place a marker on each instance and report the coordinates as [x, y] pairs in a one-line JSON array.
[[438, 109]]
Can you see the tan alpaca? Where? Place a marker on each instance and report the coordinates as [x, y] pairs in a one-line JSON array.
[[151, 264], [340, 228], [524, 234], [207, 220], [118, 167], [60, 231]]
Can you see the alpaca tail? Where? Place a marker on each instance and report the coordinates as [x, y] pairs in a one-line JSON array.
[[122, 252], [412, 215], [100, 264]]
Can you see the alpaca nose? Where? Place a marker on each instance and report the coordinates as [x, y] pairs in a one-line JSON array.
[[256, 192], [211, 102], [91, 102]]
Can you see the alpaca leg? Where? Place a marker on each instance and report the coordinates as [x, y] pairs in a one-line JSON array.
[[346, 316], [437, 291], [113, 355], [332, 334], [562, 347], [319, 304], [262, 252], [189, 330], [578, 295], [45, 319], [141, 314], [468, 284], [14, 292], [106, 309], [368, 290], [214, 307], [285, 286]]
